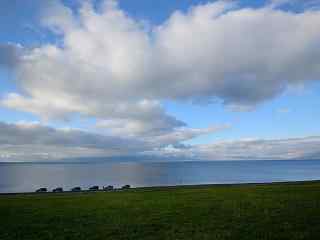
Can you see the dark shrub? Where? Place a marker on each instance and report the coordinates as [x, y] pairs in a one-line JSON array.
[[108, 188], [41, 190], [125, 187], [94, 188], [59, 189], [76, 189]]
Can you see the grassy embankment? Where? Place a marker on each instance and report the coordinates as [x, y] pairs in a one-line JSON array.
[[276, 211]]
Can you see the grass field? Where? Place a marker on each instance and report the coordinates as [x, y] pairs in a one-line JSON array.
[[274, 211]]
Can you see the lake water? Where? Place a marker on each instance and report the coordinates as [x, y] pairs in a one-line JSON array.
[[25, 177]]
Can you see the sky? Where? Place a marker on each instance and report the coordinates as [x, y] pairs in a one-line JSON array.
[[171, 80]]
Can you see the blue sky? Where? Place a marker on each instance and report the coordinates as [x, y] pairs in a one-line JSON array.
[[269, 105]]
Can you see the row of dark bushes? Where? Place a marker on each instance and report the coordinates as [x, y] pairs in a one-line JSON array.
[[78, 189]]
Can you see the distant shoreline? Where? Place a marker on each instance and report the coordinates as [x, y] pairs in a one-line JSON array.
[[151, 161], [164, 187]]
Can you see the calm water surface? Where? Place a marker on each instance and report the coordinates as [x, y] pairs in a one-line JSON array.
[[24, 177]]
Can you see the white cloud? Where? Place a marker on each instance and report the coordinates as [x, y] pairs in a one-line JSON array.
[[57, 17], [31, 141], [241, 56], [108, 66], [246, 149]]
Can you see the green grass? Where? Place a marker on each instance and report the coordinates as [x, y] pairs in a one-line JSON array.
[[276, 211]]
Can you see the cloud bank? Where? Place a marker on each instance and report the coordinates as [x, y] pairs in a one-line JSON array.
[[26, 141], [34, 142], [249, 149]]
